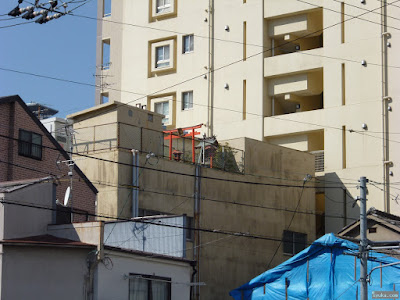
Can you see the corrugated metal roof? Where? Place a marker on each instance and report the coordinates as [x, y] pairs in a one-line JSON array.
[[147, 234], [10, 186]]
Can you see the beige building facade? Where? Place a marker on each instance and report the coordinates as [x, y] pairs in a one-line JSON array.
[[315, 76], [236, 217]]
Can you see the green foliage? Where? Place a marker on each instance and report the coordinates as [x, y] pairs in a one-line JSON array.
[[224, 159]]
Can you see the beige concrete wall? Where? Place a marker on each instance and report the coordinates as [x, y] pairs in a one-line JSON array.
[[43, 273], [265, 164], [125, 263], [129, 44], [362, 91], [167, 189], [362, 104]]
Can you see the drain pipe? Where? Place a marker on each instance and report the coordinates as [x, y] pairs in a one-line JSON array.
[[135, 183]]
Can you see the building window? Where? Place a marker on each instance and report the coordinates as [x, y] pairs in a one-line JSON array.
[[163, 108], [30, 144], [106, 48], [104, 98], [188, 43], [189, 228], [162, 56], [163, 6], [293, 242], [187, 100], [147, 287], [106, 8]]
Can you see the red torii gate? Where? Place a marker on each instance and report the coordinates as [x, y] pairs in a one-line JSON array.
[[180, 134]]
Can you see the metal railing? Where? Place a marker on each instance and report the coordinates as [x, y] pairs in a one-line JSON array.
[[207, 152]]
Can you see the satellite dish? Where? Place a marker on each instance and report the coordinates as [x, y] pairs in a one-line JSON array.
[[67, 196]]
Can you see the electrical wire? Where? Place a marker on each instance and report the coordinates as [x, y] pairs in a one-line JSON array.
[[107, 20], [184, 174], [290, 224], [206, 230]]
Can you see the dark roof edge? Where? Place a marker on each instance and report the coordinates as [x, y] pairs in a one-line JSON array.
[[17, 98]]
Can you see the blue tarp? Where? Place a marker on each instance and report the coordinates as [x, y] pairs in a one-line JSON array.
[[328, 269]]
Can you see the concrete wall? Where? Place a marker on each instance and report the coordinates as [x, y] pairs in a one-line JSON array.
[[21, 221], [125, 263], [352, 96], [43, 273], [131, 60], [227, 261], [163, 188], [352, 92]]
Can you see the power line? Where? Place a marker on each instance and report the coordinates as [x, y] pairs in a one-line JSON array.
[[180, 173], [206, 230], [189, 197], [13, 25], [317, 181], [107, 20], [290, 223], [353, 17]]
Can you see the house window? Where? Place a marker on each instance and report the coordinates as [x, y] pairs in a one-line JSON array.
[[163, 108], [162, 56], [188, 43], [293, 242], [104, 98], [106, 8], [147, 287], [163, 6], [106, 55], [187, 100], [30, 144]]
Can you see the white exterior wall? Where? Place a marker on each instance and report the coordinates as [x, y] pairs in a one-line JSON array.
[[56, 127], [43, 273], [125, 263]]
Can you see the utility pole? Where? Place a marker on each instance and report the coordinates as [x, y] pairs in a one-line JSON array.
[[363, 238]]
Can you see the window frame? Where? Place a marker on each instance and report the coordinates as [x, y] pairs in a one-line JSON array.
[[190, 38], [107, 8], [30, 143], [190, 103], [165, 116], [165, 8], [106, 54], [149, 280], [163, 63], [292, 241]]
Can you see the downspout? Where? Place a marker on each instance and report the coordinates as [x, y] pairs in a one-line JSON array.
[[93, 259], [210, 106], [191, 286], [385, 98], [135, 183]]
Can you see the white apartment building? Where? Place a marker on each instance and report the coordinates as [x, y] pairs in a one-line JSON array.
[[316, 76]]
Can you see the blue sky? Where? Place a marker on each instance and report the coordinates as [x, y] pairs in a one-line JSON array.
[[63, 48]]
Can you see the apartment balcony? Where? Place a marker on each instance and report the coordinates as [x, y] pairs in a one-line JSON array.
[[300, 61], [300, 122], [274, 8]]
